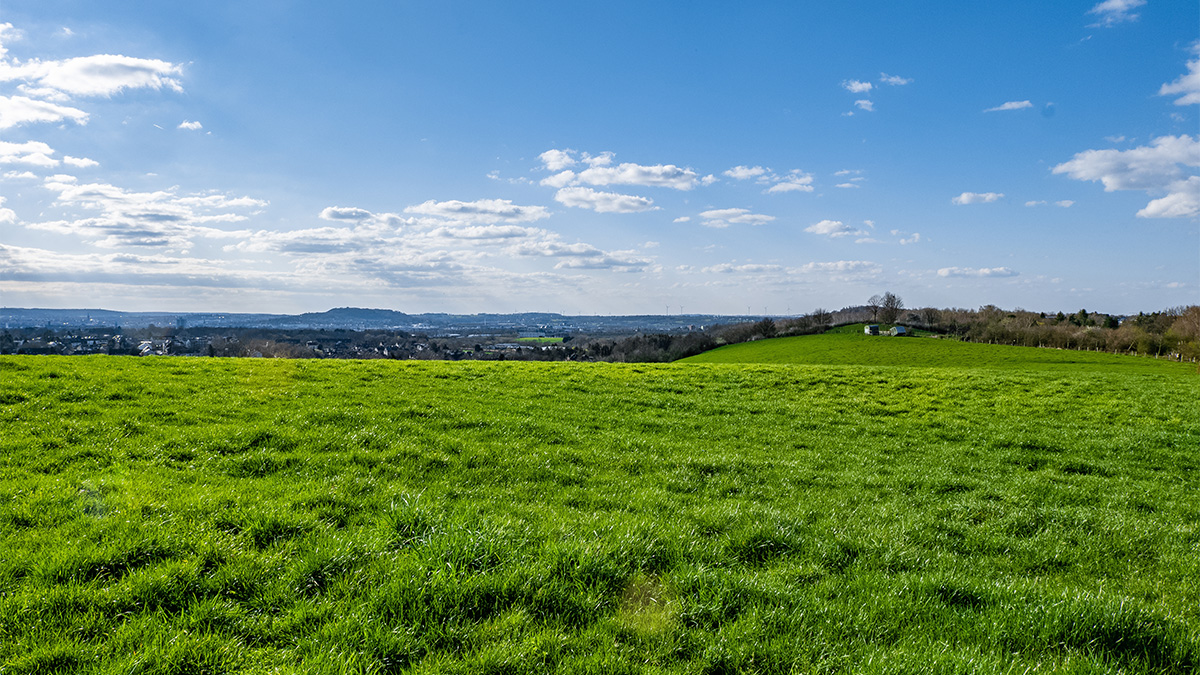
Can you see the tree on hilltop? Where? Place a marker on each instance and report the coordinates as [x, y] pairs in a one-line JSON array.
[[890, 307]]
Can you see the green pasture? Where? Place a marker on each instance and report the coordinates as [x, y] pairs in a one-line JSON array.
[[848, 346], [175, 515], [541, 340]]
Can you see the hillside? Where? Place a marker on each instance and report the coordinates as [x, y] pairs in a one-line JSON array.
[[848, 346]]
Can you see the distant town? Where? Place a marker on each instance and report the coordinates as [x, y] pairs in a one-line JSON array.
[[354, 333]]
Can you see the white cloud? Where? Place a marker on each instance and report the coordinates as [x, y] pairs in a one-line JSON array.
[[7, 32], [600, 172], [976, 272], [1011, 105], [745, 172], [977, 197], [353, 214], [1187, 84], [794, 181], [1040, 202], [1183, 201], [7, 215], [843, 268], [865, 104], [560, 179], [23, 175], [603, 202], [832, 228], [857, 86], [894, 80], [748, 268], [18, 110], [33, 153], [1155, 168], [484, 232], [847, 185], [481, 211], [725, 217], [1112, 12], [80, 162], [160, 219], [682, 219], [98, 75], [657, 175], [915, 238], [190, 125], [1065, 203], [557, 160]]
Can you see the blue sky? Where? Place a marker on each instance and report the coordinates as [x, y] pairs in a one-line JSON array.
[[612, 158]]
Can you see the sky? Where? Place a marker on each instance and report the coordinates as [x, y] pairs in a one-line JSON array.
[[599, 158]]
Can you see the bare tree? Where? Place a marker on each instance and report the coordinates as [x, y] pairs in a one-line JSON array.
[[821, 316], [931, 316], [874, 303], [891, 305]]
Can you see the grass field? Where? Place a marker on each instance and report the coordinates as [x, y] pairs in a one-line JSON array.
[[848, 346], [177, 515]]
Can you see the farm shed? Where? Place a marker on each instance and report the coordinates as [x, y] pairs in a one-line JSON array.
[[898, 330], [872, 329]]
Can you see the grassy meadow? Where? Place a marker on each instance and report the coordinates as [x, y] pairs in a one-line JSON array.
[[889, 512]]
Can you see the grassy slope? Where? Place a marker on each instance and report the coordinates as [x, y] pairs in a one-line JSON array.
[[207, 515], [848, 346]]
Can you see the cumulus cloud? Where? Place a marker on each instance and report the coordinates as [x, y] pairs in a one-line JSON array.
[[1187, 84], [603, 202], [977, 197], [746, 172], [720, 218], [657, 175], [857, 86], [556, 160], [794, 181], [976, 272], [864, 104], [32, 153], [682, 219], [1113, 12], [845, 186], [6, 215], [1155, 168], [19, 110], [481, 211], [160, 219], [98, 75], [1182, 201], [190, 126], [80, 162], [834, 229], [1011, 105], [349, 213]]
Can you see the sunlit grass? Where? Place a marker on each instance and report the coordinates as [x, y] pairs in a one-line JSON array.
[[209, 515], [848, 346]]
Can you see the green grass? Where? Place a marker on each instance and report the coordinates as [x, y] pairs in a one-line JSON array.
[[848, 346], [541, 340], [182, 515]]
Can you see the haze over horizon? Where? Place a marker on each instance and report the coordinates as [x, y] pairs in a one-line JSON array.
[[624, 158]]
